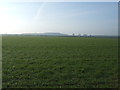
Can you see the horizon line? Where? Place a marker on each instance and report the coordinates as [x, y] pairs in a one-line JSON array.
[[75, 34]]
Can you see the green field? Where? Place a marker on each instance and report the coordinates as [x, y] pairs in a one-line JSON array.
[[59, 62]]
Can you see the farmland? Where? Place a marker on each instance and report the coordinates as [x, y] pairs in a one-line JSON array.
[[59, 62]]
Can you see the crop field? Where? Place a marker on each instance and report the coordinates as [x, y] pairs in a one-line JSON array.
[[59, 62]]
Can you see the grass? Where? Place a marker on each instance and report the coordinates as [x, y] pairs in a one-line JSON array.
[[59, 62]]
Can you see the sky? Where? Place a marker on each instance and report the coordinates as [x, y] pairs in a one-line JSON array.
[[95, 18]]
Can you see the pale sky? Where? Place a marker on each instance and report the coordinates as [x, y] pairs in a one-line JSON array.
[[99, 18]]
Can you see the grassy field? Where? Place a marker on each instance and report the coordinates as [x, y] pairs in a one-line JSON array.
[[59, 62]]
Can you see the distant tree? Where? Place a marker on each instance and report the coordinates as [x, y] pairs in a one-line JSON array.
[[79, 34], [85, 35], [73, 34], [90, 35]]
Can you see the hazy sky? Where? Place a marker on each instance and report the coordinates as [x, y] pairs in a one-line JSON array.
[[65, 17]]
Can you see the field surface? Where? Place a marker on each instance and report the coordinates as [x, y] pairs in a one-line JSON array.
[[59, 62]]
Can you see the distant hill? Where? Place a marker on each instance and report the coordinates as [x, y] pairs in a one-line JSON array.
[[46, 34]]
